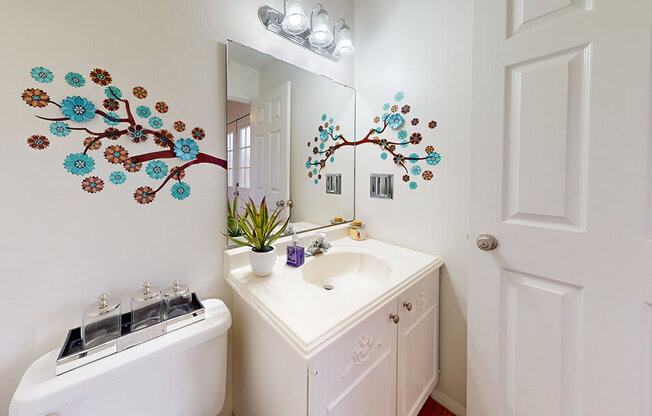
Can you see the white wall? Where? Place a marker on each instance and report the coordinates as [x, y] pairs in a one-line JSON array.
[[421, 47], [61, 247]]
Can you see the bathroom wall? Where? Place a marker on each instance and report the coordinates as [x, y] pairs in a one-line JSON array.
[[60, 247], [423, 48]]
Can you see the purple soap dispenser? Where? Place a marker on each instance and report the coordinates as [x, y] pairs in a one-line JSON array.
[[296, 255]]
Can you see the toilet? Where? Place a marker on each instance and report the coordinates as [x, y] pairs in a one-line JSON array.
[[180, 373]]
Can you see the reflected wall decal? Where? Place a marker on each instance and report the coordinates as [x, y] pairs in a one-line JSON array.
[[75, 111], [393, 122]]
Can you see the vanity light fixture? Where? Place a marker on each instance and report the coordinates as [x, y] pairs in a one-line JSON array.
[[313, 33]]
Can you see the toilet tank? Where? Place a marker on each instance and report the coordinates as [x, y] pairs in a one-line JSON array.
[[182, 373]]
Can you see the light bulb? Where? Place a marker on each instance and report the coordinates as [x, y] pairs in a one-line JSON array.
[[344, 45], [295, 21], [321, 36]]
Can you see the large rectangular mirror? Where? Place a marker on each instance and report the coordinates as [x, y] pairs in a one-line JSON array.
[[283, 124]]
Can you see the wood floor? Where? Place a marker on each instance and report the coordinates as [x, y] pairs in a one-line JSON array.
[[432, 408]]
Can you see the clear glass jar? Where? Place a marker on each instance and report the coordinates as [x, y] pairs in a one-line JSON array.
[[177, 299], [101, 322], [146, 307]]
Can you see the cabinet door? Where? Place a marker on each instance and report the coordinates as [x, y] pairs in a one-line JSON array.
[[357, 374], [418, 343]]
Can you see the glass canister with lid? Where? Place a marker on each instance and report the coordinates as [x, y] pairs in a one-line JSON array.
[[101, 322], [177, 299], [146, 307]]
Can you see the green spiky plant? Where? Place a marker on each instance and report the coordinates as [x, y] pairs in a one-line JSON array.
[[232, 228], [257, 226]]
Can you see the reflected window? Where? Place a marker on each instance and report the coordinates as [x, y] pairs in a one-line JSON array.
[[229, 157], [244, 156]]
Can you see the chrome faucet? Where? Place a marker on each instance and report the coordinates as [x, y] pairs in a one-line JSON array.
[[318, 246]]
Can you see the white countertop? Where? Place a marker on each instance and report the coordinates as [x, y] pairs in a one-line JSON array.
[[309, 316]]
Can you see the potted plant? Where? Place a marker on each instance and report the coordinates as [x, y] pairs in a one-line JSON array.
[[259, 230]]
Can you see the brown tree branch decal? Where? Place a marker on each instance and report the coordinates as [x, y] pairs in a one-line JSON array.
[[77, 109]]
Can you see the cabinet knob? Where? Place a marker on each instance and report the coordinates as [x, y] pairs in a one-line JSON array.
[[408, 306], [394, 318]]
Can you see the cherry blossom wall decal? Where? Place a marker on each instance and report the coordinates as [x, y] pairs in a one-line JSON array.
[[122, 133]]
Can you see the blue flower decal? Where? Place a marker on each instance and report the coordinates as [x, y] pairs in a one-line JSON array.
[[323, 135], [113, 92], [316, 181], [433, 158], [332, 159], [402, 134], [79, 164], [157, 169], [75, 80], [112, 119], [324, 117], [308, 165], [331, 129], [395, 121], [156, 122], [321, 145], [331, 120], [60, 129], [143, 111], [180, 190], [42, 74], [386, 106], [414, 158], [186, 149], [117, 177], [385, 116], [383, 155], [404, 144], [413, 185], [399, 96], [416, 170], [78, 109]]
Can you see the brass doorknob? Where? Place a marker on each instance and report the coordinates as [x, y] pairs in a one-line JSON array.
[[394, 318], [408, 306]]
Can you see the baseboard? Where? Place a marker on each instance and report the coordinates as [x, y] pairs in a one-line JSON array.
[[450, 404]]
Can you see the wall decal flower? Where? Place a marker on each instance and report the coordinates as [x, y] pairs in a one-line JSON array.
[[78, 109], [75, 80], [38, 142], [161, 107], [139, 92], [92, 184], [117, 177], [59, 129], [117, 113], [116, 154], [394, 121], [186, 149], [144, 195], [155, 123], [101, 77], [79, 164], [180, 191], [35, 97], [41, 74], [157, 169], [143, 111], [427, 175]]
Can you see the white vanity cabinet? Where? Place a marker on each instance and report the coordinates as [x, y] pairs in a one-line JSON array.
[[384, 366]]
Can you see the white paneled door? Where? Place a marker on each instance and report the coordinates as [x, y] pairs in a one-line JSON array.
[[270, 146], [560, 313]]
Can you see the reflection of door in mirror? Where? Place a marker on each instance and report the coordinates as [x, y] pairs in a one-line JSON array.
[[270, 149]]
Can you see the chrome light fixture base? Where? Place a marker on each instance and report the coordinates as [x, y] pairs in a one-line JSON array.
[[272, 20]]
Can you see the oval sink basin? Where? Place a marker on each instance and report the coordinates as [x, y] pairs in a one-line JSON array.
[[345, 269]]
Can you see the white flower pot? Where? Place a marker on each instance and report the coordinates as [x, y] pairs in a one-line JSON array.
[[262, 263]]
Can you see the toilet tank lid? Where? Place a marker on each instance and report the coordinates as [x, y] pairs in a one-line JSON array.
[[41, 387]]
